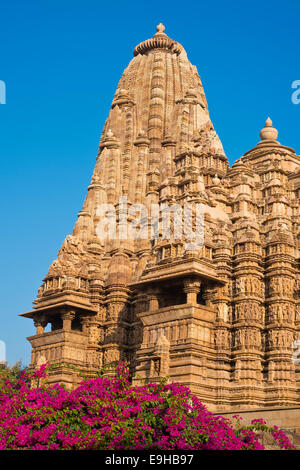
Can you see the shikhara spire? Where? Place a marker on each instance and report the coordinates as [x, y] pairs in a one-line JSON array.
[[221, 318]]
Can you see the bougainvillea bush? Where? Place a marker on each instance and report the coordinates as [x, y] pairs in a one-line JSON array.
[[109, 413]]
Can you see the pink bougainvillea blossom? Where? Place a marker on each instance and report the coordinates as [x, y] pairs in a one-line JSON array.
[[109, 413]]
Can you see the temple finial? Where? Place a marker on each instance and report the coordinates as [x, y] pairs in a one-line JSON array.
[[160, 28], [268, 132], [269, 122]]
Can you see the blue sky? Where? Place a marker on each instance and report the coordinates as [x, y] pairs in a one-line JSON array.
[[61, 62]]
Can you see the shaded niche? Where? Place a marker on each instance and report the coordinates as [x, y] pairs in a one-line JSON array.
[[56, 324], [173, 295], [76, 324], [200, 297]]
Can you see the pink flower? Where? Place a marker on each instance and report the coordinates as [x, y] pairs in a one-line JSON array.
[[109, 413]]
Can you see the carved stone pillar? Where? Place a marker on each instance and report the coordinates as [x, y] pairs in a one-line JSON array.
[[67, 318], [94, 332], [153, 299], [192, 289], [280, 321], [85, 323], [117, 309], [153, 302]]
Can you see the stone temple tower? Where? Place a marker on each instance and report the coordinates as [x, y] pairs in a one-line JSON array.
[[223, 318]]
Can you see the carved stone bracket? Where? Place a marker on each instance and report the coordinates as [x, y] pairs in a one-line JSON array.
[[40, 325]]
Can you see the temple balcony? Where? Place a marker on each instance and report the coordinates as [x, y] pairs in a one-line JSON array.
[[186, 281], [58, 346], [68, 340]]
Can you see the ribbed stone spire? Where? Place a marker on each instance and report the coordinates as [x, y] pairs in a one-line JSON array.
[[158, 141], [159, 96]]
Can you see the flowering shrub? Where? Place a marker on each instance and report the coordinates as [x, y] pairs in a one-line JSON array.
[[11, 372], [108, 413]]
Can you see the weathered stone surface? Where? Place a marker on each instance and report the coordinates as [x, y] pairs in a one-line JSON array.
[[221, 319]]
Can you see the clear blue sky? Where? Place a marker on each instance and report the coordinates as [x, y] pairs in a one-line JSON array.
[[61, 62]]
